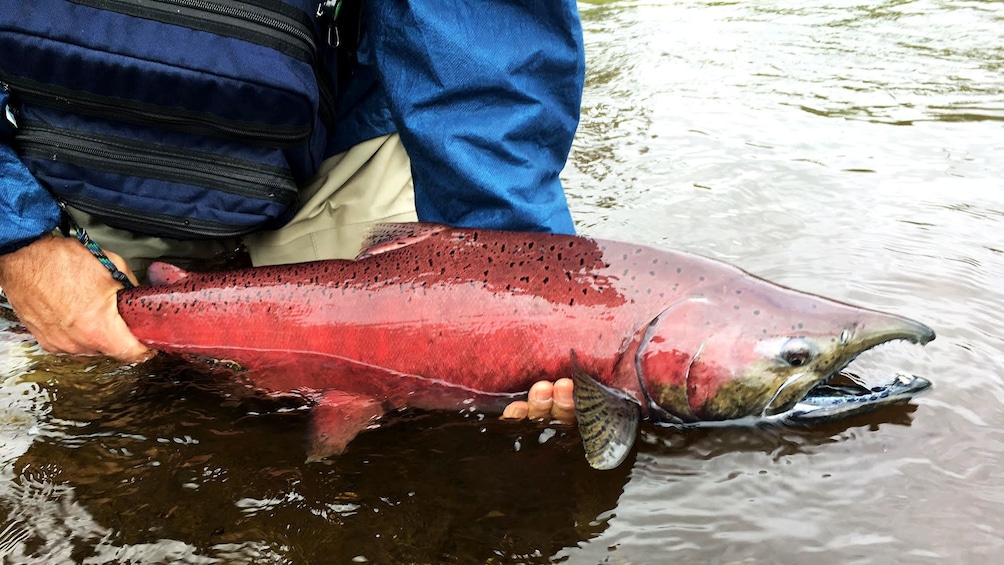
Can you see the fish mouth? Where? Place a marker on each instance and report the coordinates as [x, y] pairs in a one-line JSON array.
[[843, 396]]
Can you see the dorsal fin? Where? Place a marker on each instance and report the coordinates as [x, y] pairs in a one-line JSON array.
[[161, 273], [390, 236]]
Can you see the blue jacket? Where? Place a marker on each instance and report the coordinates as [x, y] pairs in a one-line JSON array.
[[485, 95]]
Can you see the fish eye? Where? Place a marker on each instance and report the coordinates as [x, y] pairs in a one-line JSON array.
[[797, 351]]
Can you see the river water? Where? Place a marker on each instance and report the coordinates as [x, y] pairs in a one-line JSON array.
[[851, 149]]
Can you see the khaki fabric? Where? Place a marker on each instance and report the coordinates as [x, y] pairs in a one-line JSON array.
[[353, 191], [368, 184]]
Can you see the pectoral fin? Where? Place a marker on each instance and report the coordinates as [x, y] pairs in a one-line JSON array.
[[608, 420], [337, 418]]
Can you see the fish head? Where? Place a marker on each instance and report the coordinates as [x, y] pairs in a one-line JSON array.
[[752, 349]]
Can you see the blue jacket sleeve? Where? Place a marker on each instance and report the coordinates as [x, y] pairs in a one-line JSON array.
[[486, 97], [27, 210]]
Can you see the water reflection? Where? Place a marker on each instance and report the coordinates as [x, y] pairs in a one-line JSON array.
[[168, 465]]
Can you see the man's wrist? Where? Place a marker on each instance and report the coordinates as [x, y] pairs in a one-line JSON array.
[[9, 259], [11, 247]]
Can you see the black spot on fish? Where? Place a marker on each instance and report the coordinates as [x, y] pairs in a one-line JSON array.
[[679, 270]]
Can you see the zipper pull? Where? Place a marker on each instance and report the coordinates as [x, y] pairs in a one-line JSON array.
[[327, 12], [9, 112]]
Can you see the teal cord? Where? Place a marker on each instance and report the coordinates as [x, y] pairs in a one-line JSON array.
[[95, 250]]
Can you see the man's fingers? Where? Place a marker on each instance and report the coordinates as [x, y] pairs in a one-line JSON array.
[[125, 347], [563, 405], [546, 400], [516, 410], [540, 399]]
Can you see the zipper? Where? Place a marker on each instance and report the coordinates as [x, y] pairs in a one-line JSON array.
[[140, 113], [153, 223], [123, 156], [242, 20]]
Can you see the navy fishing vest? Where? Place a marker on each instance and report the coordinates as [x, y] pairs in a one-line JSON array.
[[177, 118]]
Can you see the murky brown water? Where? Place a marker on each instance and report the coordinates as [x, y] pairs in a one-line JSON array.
[[853, 149]]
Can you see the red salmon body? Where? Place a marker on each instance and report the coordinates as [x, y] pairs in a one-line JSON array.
[[435, 317]]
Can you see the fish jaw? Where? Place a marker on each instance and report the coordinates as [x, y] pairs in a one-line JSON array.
[[708, 359], [828, 402]]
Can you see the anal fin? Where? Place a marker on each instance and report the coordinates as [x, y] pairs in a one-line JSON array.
[[337, 418]]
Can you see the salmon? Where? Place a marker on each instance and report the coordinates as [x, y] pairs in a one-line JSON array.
[[435, 317]]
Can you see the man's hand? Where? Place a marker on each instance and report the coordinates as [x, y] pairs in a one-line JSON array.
[[545, 400], [67, 299]]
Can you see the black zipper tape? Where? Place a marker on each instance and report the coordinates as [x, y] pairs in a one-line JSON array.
[[140, 113], [123, 156], [160, 225]]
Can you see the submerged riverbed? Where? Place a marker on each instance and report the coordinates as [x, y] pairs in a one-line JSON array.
[[854, 150]]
